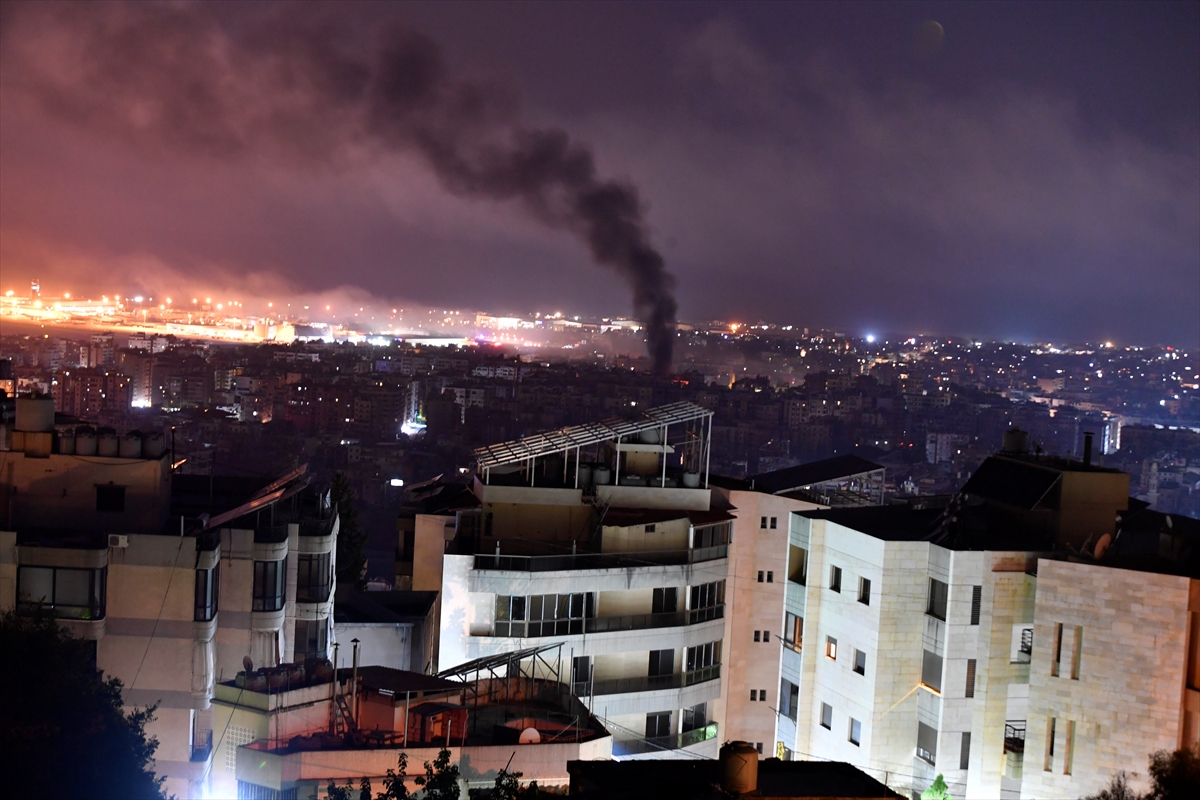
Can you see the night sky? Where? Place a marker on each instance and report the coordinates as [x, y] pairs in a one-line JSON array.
[[1025, 171]]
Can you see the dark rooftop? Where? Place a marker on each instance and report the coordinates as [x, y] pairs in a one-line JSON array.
[[1012, 482], [351, 605], [829, 469], [700, 780], [399, 681]]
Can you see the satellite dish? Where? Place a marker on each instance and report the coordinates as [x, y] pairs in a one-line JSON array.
[[1102, 545], [530, 736], [247, 664]]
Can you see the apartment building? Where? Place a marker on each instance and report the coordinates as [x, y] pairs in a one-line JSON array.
[[176, 579], [602, 538], [1026, 638]]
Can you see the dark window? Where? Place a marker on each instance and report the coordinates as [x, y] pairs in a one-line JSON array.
[[766, 636], [860, 662], [662, 662], [855, 732], [712, 535], [313, 577], [581, 671], [774, 523], [970, 678], [651, 528], [758, 747], [938, 592], [110, 498], [864, 591], [757, 636], [753, 695], [793, 631], [763, 523], [760, 576], [703, 655], [926, 742], [695, 717], [976, 604], [789, 698], [931, 670], [269, 585], [312, 638], [65, 592], [964, 751], [770, 576], [835, 578], [708, 595], [1057, 662], [826, 716], [208, 585], [658, 724], [665, 600]]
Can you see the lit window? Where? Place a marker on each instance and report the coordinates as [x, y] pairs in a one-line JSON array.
[[831, 647]]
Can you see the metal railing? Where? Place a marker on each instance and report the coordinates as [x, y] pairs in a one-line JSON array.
[[202, 747], [646, 683], [532, 629], [581, 561], [676, 741], [1014, 736], [1027, 641]]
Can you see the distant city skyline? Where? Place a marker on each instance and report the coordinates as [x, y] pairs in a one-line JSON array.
[[1028, 173]]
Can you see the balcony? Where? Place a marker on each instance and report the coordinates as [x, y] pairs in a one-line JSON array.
[[1014, 736], [647, 683], [655, 744], [585, 561], [667, 619], [202, 747]]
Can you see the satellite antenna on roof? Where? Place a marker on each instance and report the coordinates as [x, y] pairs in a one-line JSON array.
[[247, 664]]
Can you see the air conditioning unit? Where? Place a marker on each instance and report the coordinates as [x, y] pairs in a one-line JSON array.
[[118, 540]]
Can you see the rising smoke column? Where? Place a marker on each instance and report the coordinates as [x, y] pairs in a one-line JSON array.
[[175, 76]]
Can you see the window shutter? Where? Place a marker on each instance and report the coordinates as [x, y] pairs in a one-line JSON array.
[[970, 677]]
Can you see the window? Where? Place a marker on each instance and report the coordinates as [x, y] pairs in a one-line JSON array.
[[938, 592], [766, 636], [312, 638], [707, 601], [64, 592], [665, 600], [864, 591], [762, 523], [702, 657], [762, 695], [1057, 660], [651, 528], [970, 691], [931, 670], [753, 695], [658, 724], [110, 498], [860, 662], [581, 673], [1069, 750], [770, 576], [662, 662], [695, 717], [542, 614], [964, 751], [760, 576], [712, 535], [1049, 762], [789, 699], [835, 578], [758, 747], [313, 578], [269, 585], [208, 585], [831, 647], [976, 604], [793, 631], [774, 522], [757, 636], [827, 716], [1077, 653], [926, 743], [855, 732]]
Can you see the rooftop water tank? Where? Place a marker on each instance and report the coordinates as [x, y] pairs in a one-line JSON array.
[[85, 441], [107, 444], [35, 414], [602, 476], [130, 445], [739, 768], [691, 480], [153, 445], [66, 442]]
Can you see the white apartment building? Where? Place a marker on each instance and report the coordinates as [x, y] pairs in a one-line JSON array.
[[1014, 639], [602, 538], [126, 555]]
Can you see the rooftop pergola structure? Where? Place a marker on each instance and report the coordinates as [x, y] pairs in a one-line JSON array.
[[695, 421], [508, 666]]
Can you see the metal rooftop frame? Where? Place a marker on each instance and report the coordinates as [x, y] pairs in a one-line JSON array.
[[527, 450]]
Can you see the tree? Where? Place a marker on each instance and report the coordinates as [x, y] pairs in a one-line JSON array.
[[1173, 776], [63, 729], [937, 791], [351, 562], [441, 778], [506, 787], [394, 787]]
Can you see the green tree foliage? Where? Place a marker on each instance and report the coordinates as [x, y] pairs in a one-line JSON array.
[[937, 791], [351, 540], [1173, 776], [441, 778], [393, 785], [63, 731]]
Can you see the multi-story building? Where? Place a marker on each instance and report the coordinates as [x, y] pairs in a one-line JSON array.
[[602, 538], [126, 555]]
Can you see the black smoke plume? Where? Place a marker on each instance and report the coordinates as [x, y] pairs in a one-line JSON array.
[[185, 78]]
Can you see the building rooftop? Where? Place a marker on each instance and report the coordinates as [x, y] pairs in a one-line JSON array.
[[351, 605], [829, 469]]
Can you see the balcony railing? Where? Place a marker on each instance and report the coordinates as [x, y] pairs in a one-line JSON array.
[[658, 743], [646, 683], [202, 747], [582, 561], [1014, 736]]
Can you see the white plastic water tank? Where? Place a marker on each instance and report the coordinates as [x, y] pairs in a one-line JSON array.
[[153, 445], [691, 480], [602, 475], [66, 442], [85, 441], [107, 443], [130, 445], [648, 437], [35, 414], [585, 476]]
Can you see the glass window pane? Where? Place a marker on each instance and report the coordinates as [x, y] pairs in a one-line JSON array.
[[535, 607], [72, 587], [518, 608], [37, 584], [502, 606]]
